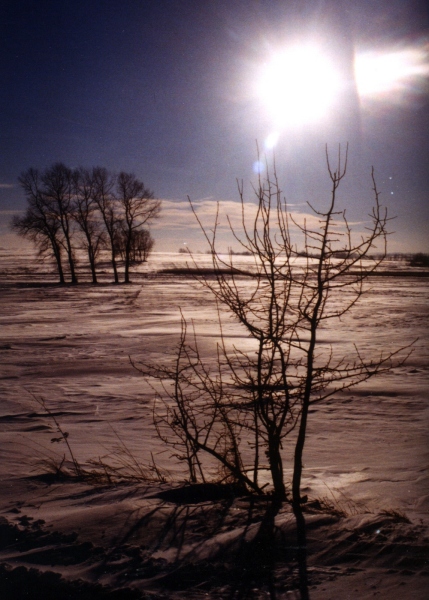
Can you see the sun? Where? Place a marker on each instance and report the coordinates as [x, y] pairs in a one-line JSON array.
[[298, 86]]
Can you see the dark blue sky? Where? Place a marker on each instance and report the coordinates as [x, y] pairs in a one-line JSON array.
[[166, 89]]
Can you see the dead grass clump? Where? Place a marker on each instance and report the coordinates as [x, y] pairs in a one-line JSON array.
[[398, 516], [337, 504], [340, 505], [118, 466], [324, 505]]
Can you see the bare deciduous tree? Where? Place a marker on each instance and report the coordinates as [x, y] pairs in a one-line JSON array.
[[142, 244], [57, 189], [244, 411], [49, 218], [105, 210], [103, 193], [139, 208], [87, 216], [38, 223]]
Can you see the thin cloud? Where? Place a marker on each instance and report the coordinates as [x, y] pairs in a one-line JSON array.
[[7, 212], [178, 224], [7, 186], [177, 216]]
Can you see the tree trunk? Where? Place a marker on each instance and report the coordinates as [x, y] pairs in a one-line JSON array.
[[91, 258], [301, 553], [127, 271], [127, 258], [64, 220], [113, 257], [115, 268], [71, 262], [57, 255], [299, 449], [276, 468]]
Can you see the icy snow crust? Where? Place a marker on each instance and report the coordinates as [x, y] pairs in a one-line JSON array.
[[367, 449]]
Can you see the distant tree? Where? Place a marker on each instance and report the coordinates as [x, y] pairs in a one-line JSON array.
[[39, 223], [419, 260], [99, 209], [138, 208], [49, 217], [88, 217], [142, 244], [58, 189], [103, 188]]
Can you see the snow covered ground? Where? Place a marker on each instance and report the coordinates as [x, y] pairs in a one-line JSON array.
[[367, 450]]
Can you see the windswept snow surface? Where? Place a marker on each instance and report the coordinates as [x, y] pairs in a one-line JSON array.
[[367, 449]]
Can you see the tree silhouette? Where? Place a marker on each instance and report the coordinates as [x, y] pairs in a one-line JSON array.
[[39, 223], [141, 245], [90, 210], [58, 192], [87, 216], [241, 411], [103, 194], [138, 208]]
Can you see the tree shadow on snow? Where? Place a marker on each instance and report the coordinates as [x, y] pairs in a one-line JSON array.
[[207, 537]]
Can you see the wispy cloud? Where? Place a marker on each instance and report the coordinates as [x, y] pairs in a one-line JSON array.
[[178, 224], [7, 212], [177, 214], [7, 186]]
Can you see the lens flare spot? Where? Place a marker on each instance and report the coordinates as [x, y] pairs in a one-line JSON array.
[[271, 140], [258, 167]]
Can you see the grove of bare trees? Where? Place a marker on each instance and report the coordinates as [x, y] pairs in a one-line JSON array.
[[87, 209]]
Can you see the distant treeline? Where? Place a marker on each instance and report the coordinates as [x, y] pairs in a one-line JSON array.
[[418, 259], [87, 209], [413, 260]]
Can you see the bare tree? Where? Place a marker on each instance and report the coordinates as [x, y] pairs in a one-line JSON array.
[[142, 244], [39, 224], [242, 411], [87, 215], [203, 411], [139, 208], [57, 190], [110, 211], [104, 184]]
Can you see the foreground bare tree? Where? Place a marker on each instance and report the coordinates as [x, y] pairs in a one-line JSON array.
[[241, 411]]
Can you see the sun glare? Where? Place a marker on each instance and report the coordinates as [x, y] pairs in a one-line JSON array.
[[298, 86], [301, 84], [379, 74]]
